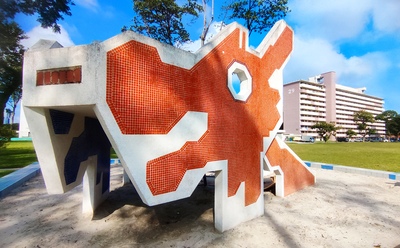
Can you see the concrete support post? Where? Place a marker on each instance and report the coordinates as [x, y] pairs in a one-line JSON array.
[[92, 192]]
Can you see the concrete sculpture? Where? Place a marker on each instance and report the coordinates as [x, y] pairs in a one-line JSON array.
[[170, 115]]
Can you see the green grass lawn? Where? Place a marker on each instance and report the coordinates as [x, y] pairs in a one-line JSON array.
[[17, 154], [5, 172], [370, 155]]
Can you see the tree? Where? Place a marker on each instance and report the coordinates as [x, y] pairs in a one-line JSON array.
[[258, 15], [388, 116], [13, 102], [162, 19], [49, 11], [372, 131], [350, 133], [325, 130], [362, 118], [6, 134], [11, 51], [394, 126]]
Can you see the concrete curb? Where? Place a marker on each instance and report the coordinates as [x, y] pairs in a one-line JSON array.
[[354, 170], [18, 177], [115, 161]]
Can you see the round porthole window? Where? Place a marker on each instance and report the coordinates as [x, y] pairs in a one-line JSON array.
[[239, 81]]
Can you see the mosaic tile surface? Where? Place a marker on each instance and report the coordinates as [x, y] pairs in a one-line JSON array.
[[147, 96], [59, 76], [92, 141]]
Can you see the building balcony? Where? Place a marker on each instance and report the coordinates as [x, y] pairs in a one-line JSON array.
[[312, 108], [313, 93], [312, 102], [307, 123], [363, 98], [312, 113], [312, 87], [312, 119]]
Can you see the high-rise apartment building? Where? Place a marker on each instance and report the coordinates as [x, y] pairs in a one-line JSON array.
[[321, 99]]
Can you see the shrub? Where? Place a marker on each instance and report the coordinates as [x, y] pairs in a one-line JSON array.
[[5, 135]]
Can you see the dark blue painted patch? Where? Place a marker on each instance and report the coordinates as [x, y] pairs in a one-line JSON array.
[[392, 176], [326, 167], [76, 154], [92, 141], [308, 164], [61, 121]]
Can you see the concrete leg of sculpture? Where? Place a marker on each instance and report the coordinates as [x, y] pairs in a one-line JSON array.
[[96, 183], [226, 208], [125, 178], [52, 135], [221, 188], [279, 182], [280, 177], [92, 192], [291, 172], [67, 145]]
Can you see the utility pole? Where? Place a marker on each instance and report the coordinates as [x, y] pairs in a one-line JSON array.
[[206, 25]]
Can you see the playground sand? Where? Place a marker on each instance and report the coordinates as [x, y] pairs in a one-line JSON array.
[[341, 210]]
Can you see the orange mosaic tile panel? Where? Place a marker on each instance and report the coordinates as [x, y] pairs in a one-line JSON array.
[[59, 76], [296, 176], [147, 96]]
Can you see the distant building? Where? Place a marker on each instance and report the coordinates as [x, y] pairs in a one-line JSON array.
[[24, 131], [6, 118], [321, 99]]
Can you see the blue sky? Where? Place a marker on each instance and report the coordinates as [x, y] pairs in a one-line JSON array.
[[358, 39]]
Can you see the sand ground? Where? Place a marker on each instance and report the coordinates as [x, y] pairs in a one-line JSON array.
[[341, 210]]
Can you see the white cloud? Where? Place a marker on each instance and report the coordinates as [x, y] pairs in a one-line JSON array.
[[366, 65], [331, 20], [38, 33], [108, 12], [88, 4], [327, 35], [311, 57], [386, 15], [343, 19]]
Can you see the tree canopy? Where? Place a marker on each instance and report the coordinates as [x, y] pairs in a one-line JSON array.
[[392, 122], [49, 11], [6, 133], [11, 51], [258, 15], [363, 119], [389, 117], [394, 126], [325, 130], [350, 133], [162, 19]]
